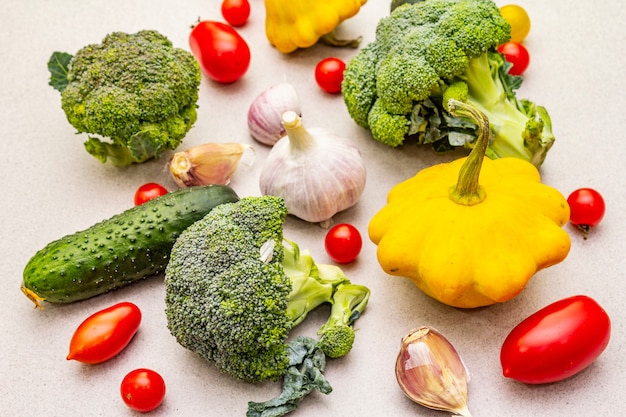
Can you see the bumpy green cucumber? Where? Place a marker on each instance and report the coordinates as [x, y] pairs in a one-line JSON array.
[[123, 249]]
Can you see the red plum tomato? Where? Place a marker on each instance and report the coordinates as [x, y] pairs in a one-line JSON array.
[[587, 208], [143, 389], [517, 55], [223, 54], [556, 342], [236, 12], [149, 191], [105, 333], [329, 74], [343, 243]]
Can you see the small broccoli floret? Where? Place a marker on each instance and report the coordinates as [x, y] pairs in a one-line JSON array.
[[135, 89], [234, 290], [337, 334], [395, 85]]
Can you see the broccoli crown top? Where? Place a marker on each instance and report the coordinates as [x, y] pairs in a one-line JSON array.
[[224, 300], [130, 84], [418, 47]]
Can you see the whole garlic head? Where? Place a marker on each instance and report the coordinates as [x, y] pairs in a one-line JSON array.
[[316, 172]]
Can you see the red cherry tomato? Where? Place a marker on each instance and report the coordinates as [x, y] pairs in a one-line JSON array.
[[329, 74], [223, 54], [148, 192], [586, 208], [105, 333], [556, 342], [516, 54], [343, 243], [143, 390], [236, 12]]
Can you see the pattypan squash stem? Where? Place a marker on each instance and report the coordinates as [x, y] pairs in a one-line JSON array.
[[300, 140], [467, 190]]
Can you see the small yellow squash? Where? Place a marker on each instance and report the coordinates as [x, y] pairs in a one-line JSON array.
[[475, 243], [293, 24]]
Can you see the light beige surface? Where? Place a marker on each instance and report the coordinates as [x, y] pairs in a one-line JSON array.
[[51, 187]]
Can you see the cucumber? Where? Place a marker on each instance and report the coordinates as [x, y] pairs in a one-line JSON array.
[[123, 249]]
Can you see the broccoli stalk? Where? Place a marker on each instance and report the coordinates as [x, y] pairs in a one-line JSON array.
[[395, 85], [135, 89]]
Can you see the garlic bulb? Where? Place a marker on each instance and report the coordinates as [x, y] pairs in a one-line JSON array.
[[316, 172], [265, 112], [210, 163], [430, 372]]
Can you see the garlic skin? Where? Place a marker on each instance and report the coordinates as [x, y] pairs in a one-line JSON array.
[[316, 172], [265, 112], [430, 372], [210, 163]]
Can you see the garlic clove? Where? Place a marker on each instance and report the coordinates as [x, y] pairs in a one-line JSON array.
[[210, 163], [265, 112], [430, 372]]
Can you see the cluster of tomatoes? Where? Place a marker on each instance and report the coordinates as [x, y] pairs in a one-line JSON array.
[[514, 51]]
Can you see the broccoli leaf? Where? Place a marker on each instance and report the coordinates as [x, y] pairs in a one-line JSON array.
[[305, 373], [58, 67]]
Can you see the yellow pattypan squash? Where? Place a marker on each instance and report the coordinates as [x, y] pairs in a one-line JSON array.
[[472, 232], [293, 24]]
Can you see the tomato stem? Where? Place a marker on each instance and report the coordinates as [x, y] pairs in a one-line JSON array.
[[467, 190]]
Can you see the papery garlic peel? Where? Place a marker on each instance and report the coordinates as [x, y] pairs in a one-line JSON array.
[[431, 373], [210, 163], [316, 172], [265, 112]]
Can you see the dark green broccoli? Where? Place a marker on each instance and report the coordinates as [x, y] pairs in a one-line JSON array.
[[235, 288], [395, 85], [135, 89]]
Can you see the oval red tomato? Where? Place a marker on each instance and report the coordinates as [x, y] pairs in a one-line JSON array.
[[516, 54], [223, 54], [236, 12], [343, 243], [587, 208], [556, 342], [148, 191], [143, 389], [329, 74], [105, 333]]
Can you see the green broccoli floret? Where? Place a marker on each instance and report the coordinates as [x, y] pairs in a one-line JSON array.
[[395, 85], [235, 288], [135, 89]]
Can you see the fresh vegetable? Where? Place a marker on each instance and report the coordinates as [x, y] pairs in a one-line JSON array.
[[223, 54], [430, 372], [234, 290], [210, 163], [135, 89], [149, 191], [294, 24], [120, 250], [395, 85], [143, 389], [236, 12], [307, 363], [316, 172], [471, 232], [517, 55], [556, 342], [587, 208], [105, 333], [343, 243], [519, 20], [265, 113], [329, 74]]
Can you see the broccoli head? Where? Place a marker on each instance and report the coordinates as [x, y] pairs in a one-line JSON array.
[[235, 288], [396, 84], [135, 89]]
